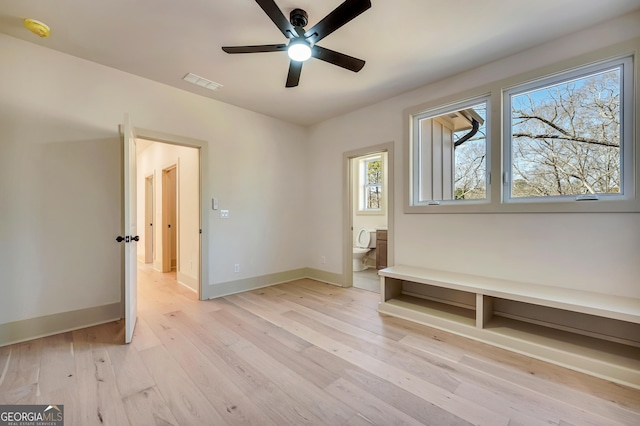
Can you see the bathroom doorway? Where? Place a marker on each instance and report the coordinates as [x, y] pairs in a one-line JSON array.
[[370, 198]]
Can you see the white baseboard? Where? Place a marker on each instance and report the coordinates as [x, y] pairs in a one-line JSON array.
[[188, 281], [34, 328], [326, 277], [213, 291]]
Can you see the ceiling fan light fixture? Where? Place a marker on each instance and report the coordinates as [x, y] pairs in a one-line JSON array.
[[299, 51]]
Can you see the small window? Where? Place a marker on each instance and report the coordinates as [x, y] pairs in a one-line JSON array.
[[371, 188], [449, 153], [567, 135]]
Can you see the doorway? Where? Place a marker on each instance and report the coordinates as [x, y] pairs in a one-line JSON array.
[[367, 237], [149, 215], [170, 223], [170, 203]]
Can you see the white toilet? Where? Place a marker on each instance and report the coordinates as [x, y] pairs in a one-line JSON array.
[[365, 241]]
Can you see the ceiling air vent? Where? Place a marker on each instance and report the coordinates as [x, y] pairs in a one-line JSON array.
[[202, 82]]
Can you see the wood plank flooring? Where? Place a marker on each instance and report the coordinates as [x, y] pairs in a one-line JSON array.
[[299, 353]]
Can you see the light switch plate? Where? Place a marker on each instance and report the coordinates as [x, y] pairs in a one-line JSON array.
[[214, 203]]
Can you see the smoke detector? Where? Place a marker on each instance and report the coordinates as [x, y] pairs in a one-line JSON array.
[[38, 28]]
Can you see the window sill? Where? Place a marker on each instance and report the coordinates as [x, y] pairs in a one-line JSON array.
[[599, 206], [370, 213]]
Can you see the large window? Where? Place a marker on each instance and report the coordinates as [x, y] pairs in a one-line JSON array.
[[565, 135], [450, 153], [561, 141]]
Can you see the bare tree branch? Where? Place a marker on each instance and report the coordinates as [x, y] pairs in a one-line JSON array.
[[566, 138]]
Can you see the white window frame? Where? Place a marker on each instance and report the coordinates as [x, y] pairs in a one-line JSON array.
[[417, 168], [628, 201], [627, 189], [363, 185]]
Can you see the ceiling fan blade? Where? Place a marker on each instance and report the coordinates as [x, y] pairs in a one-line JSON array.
[[337, 18], [255, 49], [337, 58], [295, 68], [273, 11]]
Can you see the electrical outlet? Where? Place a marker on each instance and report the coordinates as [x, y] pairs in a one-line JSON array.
[[236, 267], [323, 260], [224, 214]]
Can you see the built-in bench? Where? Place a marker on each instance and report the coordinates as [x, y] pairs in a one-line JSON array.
[[594, 333]]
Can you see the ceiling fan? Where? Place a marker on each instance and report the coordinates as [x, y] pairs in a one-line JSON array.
[[302, 44]]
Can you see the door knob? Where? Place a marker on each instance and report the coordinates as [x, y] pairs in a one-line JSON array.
[[127, 239]]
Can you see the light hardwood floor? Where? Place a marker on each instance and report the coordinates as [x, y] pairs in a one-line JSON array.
[[292, 354]]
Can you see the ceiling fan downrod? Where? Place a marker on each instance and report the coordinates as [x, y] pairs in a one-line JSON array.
[[298, 18]]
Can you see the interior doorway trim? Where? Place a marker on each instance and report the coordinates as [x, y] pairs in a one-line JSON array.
[[347, 197], [203, 147]]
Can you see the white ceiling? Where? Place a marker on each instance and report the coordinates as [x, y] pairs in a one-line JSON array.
[[406, 43]]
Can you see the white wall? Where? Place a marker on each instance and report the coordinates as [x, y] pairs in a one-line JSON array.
[[152, 161], [597, 252], [60, 185]]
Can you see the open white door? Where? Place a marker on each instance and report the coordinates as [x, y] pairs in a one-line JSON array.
[[130, 231]]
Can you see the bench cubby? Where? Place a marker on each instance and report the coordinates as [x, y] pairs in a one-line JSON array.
[[593, 333]]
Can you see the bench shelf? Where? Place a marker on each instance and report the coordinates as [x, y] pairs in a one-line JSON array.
[[612, 358]]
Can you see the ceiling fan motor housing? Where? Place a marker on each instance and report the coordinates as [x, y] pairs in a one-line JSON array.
[[298, 18]]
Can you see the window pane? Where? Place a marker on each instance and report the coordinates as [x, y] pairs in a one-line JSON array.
[[374, 171], [451, 154], [471, 160], [370, 183], [373, 194], [566, 137]]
